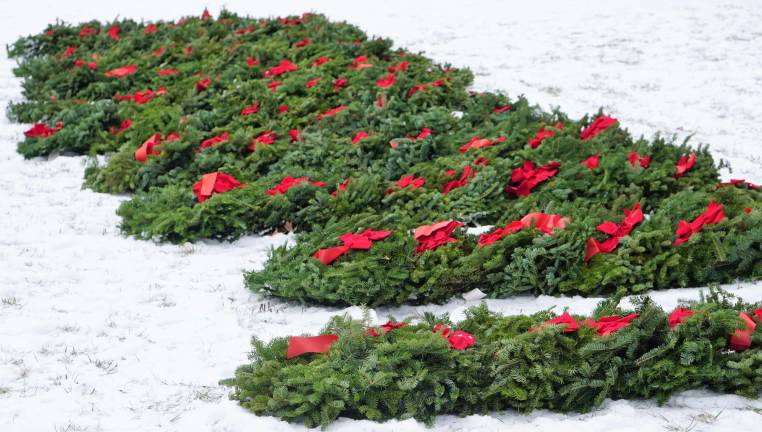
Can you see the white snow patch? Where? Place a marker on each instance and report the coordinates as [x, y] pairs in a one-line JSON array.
[[104, 333]]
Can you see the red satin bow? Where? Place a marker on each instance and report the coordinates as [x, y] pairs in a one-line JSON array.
[[740, 340], [363, 240], [598, 125], [712, 215], [141, 97], [569, 323], [250, 109], [265, 138], [685, 164], [478, 143], [740, 182], [359, 136], [528, 177], [288, 182], [210, 142], [632, 217], [283, 67], [342, 187], [386, 328], [298, 345], [386, 81], [430, 237], [635, 158], [122, 71], [331, 112], [214, 183], [544, 222], [678, 316], [41, 130], [544, 134], [458, 339], [592, 162], [468, 172]]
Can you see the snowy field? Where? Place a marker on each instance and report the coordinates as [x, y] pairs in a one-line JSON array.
[[104, 333]]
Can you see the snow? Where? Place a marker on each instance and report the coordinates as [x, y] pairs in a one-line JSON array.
[[104, 333]]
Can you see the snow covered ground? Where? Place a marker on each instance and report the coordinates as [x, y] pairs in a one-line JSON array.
[[104, 333]]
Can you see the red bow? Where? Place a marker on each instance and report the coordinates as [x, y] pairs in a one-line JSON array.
[[430, 237], [331, 112], [125, 124], [342, 187], [295, 135], [458, 340], [122, 71], [712, 215], [592, 162], [386, 328], [265, 138], [546, 223], [213, 183], [416, 88], [148, 148], [87, 31], [359, 136], [90, 65], [363, 240], [491, 237], [320, 61], [468, 172], [734, 182], [685, 164], [298, 345], [311, 83], [634, 158], [480, 143], [387, 81], [69, 51], [740, 340], [610, 324], [141, 97], [597, 126], [250, 109], [283, 67], [571, 325], [632, 217], [113, 32], [288, 182], [544, 134], [165, 72], [209, 142], [339, 83], [41, 130], [411, 180], [501, 109], [150, 28], [361, 62], [203, 85], [398, 68], [528, 177], [302, 43], [678, 316]]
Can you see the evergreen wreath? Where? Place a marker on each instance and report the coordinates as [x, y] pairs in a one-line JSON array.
[[230, 126], [490, 362]]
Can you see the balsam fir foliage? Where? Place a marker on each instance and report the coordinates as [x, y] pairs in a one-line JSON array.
[[164, 207], [411, 372], [391, 272]]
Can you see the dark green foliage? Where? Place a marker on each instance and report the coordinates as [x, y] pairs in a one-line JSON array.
[[411, 372], [165, 208], [526, 262]]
